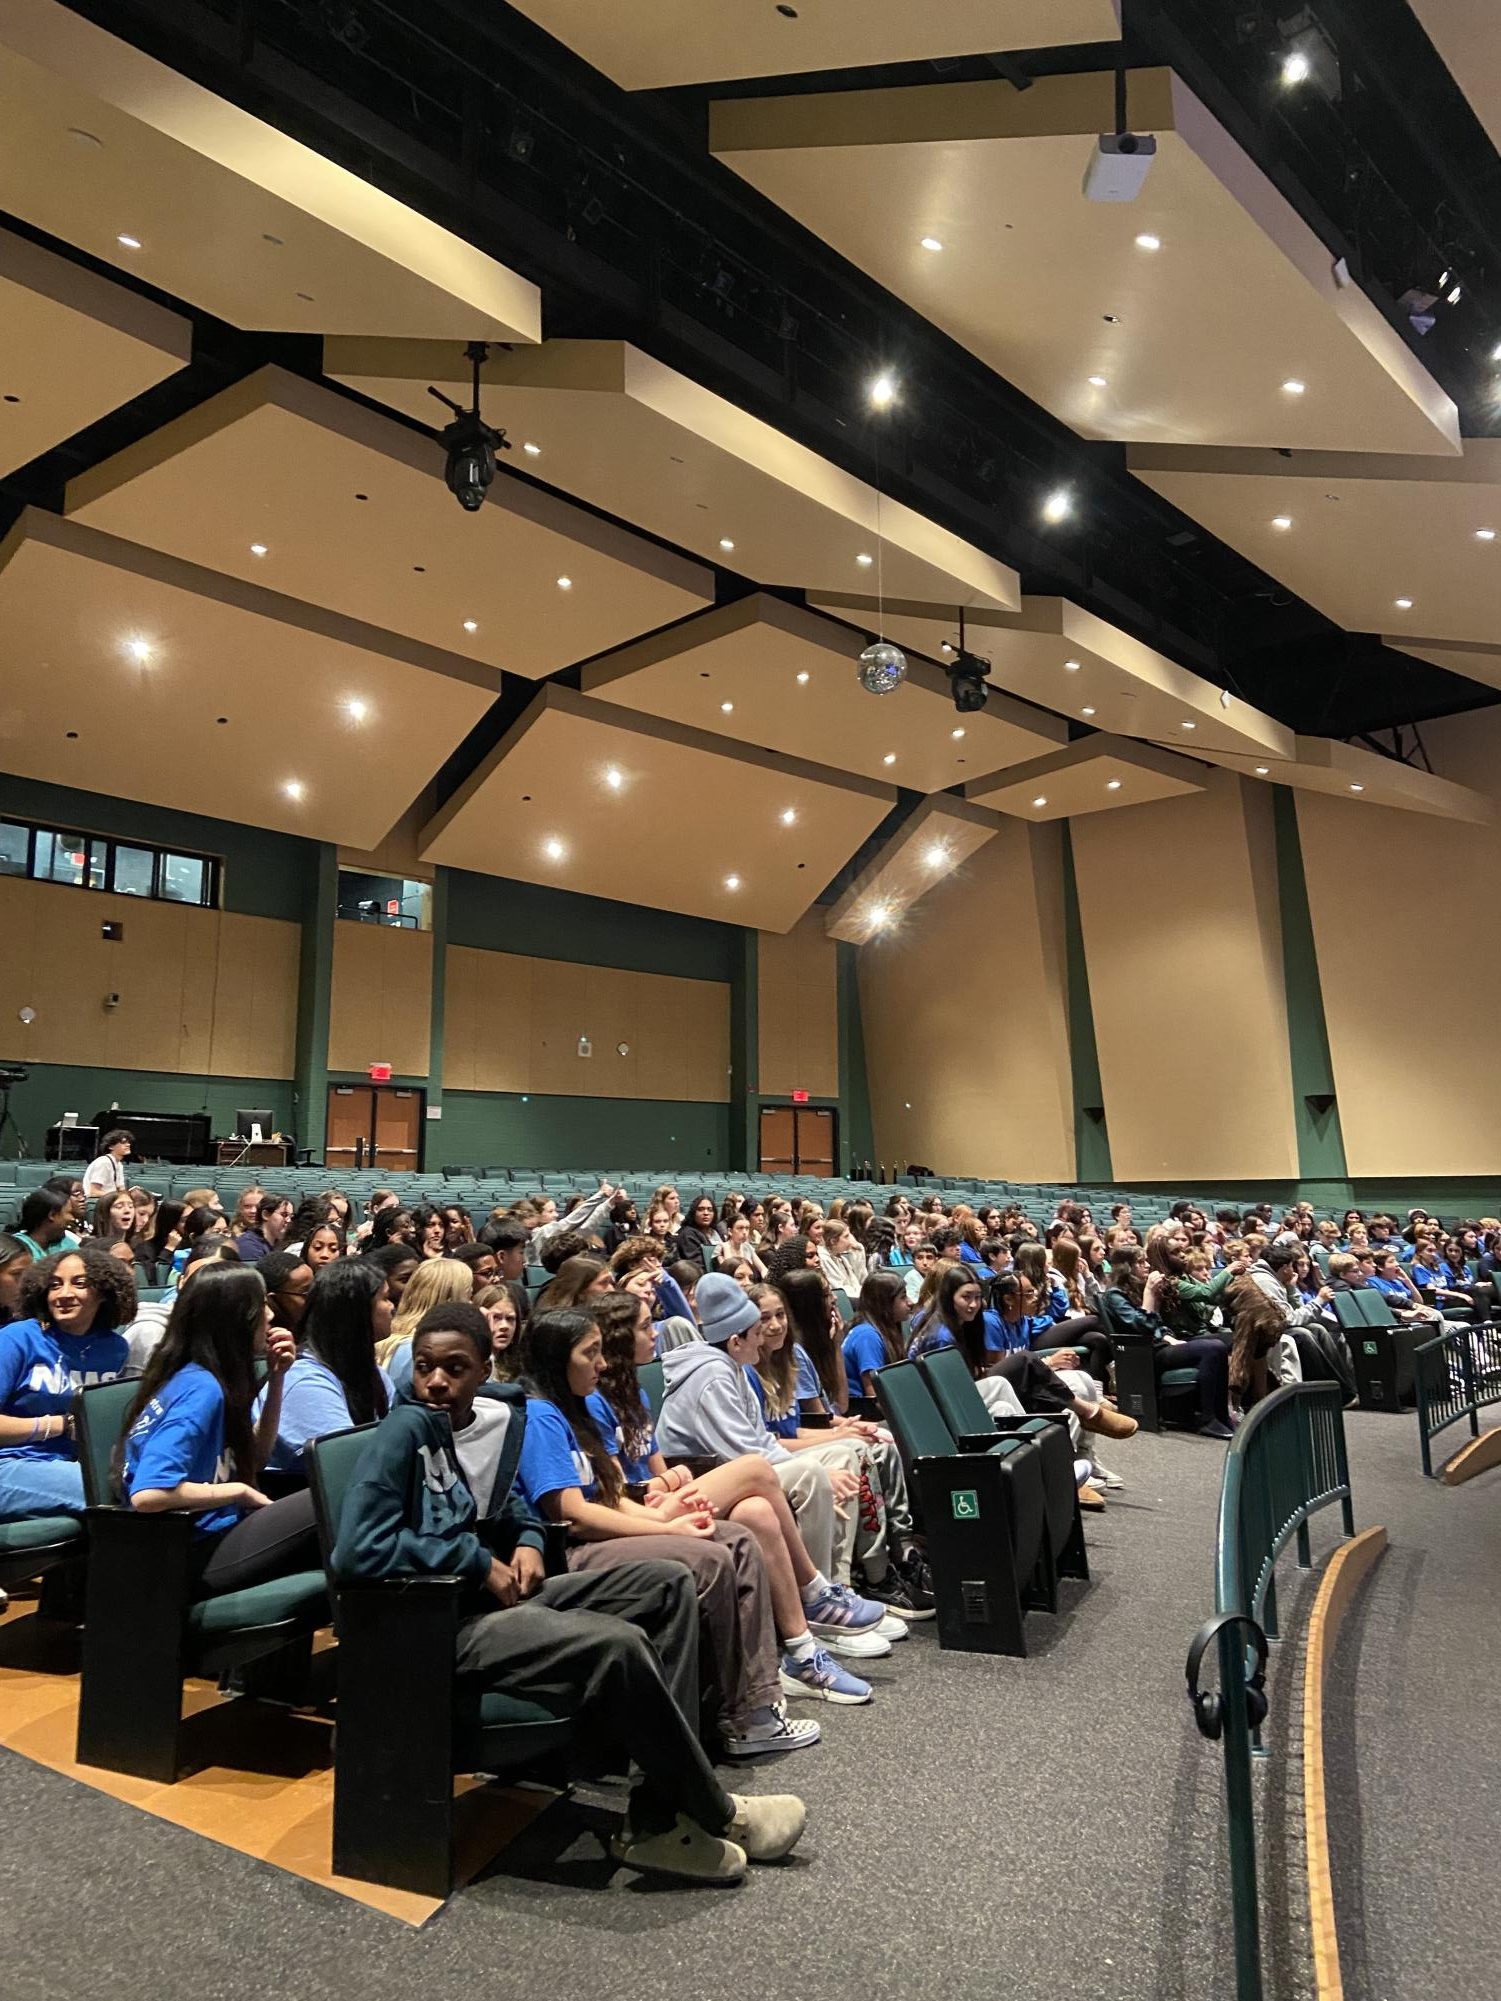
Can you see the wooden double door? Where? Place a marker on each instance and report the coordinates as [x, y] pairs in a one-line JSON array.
[[375, 1125], [798, 1139]]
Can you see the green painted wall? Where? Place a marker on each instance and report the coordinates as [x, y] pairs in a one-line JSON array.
[[1321, 1145], [492, 1129], [1091, 1137], [498, 915], [54, 1088], [264, 874], [857, 1134]]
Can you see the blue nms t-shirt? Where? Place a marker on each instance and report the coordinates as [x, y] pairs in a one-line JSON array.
[[637, 1469], [180, 1436], [41, 1370], [551, 1456]]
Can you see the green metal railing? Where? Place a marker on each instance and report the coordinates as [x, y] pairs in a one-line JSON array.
[[1457, 1375], [1286, 1461]]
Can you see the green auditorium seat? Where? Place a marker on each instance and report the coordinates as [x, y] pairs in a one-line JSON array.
[[146, 1626], [393, 1776], [649, 1376]]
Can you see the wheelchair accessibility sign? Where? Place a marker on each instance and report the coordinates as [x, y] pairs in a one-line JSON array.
[[966, 1504]]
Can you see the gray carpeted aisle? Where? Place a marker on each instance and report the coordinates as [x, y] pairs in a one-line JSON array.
[[1048, 1828]]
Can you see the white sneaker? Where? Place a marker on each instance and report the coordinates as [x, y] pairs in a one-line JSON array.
[[871, 1646], [1103, 1477], [892, 1628], [769, 1730]]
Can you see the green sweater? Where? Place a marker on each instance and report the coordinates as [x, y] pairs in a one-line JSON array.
[[1197, 1299]]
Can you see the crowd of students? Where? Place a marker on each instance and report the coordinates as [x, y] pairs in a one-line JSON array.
[[754, 1544]]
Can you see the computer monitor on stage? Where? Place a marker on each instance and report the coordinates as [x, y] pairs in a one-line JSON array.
[[255, 1124]]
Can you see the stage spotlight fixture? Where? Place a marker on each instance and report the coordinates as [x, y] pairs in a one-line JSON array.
[[968, 675], [882, 668], [470, 444]]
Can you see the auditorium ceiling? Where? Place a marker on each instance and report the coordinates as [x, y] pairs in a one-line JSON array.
[[791, 356]]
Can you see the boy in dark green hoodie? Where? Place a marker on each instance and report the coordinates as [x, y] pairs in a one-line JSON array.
[[588, 1644]]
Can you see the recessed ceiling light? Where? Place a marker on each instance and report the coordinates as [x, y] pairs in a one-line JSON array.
[[128, 242], [471, 625], [356, 710], [883, 391], [956, 734], [1099, 382], [1403, 604], [1057, 506], [554, 850], [726, 544], [1357, 788], [613, 779], [732, 882], [1293, 387], [1485, 534], [802, 679], [889, 758], [1071, 666], [1086, 712], [532, 451], [1188, 726], [1263, 771], [864, 561], [294, 788], [937, 855], [139, 650], [1296, 68], [1040, 800], [1146, 241], [878, 916], [789, 816], [1282, 521], [727, 708], [257, 548], [931, 243], [1112, 785], [565, 583]]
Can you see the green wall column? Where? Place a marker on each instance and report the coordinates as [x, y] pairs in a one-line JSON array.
[[315, 984], [745, 1109], [1321, 1143], [435, 1026], [1091, 1136], [857, 1140]]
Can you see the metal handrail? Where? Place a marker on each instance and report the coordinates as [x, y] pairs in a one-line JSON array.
[[1456, 1375]]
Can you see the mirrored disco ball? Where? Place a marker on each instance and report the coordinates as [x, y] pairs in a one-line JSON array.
[[882, 667]]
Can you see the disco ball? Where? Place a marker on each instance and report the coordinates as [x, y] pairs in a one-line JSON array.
[[882, 668]]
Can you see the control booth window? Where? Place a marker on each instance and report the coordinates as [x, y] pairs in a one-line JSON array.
[[96, 861], [385, 899]]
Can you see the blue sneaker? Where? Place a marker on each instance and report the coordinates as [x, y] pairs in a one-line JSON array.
[[821, 1677], [847, 1624]]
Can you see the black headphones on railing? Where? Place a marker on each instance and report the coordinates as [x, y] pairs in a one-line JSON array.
[[1208, 1704]]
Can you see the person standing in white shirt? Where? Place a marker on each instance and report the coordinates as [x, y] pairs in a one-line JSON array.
[[107, 1173]]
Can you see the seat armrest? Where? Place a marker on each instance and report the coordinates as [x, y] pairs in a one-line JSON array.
[[979, 1441]]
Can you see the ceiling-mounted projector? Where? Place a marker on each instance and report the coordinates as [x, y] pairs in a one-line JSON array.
[[1118, 166]]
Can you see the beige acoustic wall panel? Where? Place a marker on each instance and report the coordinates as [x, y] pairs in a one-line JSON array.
[[382, 998], [1184, 949], [1391, 1011], [966, 1038], [515, 1024], [797, 1011], [201, 992]]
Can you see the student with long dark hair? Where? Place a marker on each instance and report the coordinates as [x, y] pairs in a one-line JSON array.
[[190, 1442], [334, 1382], [813, 1326], [879, 1335], [429, 1230], [699, 1236], [570, 1474], [72, 1308]]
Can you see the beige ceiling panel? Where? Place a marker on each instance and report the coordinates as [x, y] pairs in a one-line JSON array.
[[652, 44], [1476, 663], [352, 514], [1362, 532], [772, 674], [1464, 33], [1061, 657], [576, 796], [1364, 777], [125, 670], [626, 433], [1192, 341], [75, 347], [928, 849], [1098, 774], [99, 142]]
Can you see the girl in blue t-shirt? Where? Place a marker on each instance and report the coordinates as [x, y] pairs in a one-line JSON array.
[[570, 1475], [335, 1381], [191, 1445], [879, 1335], [72, 1307]]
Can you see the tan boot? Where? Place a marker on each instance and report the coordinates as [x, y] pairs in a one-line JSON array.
[[1091, 1499], [1109, 1423]]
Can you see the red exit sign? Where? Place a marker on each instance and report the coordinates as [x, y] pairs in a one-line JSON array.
[[799, 1097], [380, 1073]]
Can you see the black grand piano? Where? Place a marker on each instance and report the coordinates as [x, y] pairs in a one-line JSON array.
[[180, 1137]]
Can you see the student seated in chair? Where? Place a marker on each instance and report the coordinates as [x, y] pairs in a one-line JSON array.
[[616, 1648], [1206, 1354], [335, 1381], [190, 1442], [72, 1307]]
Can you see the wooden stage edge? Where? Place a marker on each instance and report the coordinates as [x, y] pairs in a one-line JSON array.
[[1348, 1568], [1477, 1457]]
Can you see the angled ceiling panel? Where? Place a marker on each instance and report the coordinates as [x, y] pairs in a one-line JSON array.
[[928, 849], [1098, 774]]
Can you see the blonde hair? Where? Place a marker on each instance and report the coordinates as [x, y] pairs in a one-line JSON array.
[[438, 1282]]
